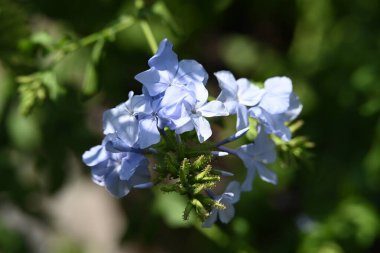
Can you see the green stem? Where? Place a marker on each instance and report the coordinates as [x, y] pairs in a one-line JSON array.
[[149, 35], [124, 23]]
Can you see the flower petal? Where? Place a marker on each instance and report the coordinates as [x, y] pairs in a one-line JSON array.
[[242, 118], [129, 164], [118, 188], [272, 123], [128, 129], [263, 148], [213, 109], [227, 214], [228, 84], [248, 94], [148, 134], [202, 126], [95, 155], [164, 58], [140, 104], [190, 71], [234, 187], [251, 173], [211, 219], [155, 81], [295, 108], [277, 95], [266, 174]]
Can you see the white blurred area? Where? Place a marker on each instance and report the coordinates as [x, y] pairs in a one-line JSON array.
[[85, 213], [81, 214]]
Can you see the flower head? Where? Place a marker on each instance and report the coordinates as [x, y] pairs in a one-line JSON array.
[[166, 71], [117, 172], [278, 105], [254, 157], [237, 95]]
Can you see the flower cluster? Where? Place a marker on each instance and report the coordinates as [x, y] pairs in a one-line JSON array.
[[161, 122]]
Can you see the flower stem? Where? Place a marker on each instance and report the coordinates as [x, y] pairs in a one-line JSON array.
[[149, 35], [109, 32]]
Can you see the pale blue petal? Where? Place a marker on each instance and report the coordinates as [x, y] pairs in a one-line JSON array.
[[234, 187], [266, 174], [263, 149], [228, 84], [251, 172], [110, 118], [278, 85], [148, 134], [190, 71], [99, 180], [273, 124], [202, 126], [175, 95], [211, 219], [213, 109], [277, 95], [95, 156], [242, 122], [114, 144], [295, 108], [118, 188], [199, 91], [177, 114], [227, 214], [141, 178], [100, 169], [231, 105], [129, 165], [141, 104], [164, 58], [188, 126], [248, 94], [155, 81], [127, 129]]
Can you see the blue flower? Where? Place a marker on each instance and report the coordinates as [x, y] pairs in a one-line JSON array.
[[228, 198], [237, 95], [123, 119], [277, 106], [117, 172], [134, 122], [193, 115], [254, 157], [166, 71], [172, 107]]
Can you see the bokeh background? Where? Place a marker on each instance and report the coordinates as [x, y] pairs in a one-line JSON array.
[[327, 200]]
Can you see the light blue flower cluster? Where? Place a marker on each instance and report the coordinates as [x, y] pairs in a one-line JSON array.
[[174, 100]]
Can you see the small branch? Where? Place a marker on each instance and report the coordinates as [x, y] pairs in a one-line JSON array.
[[149, 35]]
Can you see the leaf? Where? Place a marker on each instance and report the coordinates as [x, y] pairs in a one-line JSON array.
[[43, 39], [97, 50], [90, 82], [49, 79], [170, 207]]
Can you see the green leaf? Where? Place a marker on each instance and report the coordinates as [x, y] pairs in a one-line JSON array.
[[43, 39], [170, 207], [97, 50], [49, 79], [90, 82]]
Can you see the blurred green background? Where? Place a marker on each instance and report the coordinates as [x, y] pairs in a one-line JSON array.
[[327, 202]]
